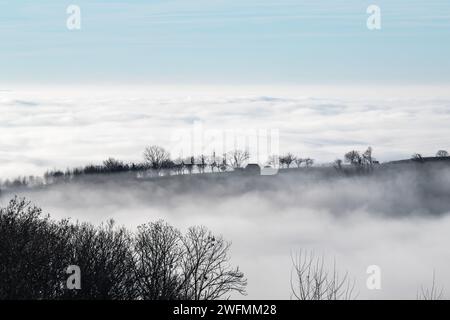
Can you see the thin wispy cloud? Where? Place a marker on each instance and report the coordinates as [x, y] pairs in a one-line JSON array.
[[203, 42]]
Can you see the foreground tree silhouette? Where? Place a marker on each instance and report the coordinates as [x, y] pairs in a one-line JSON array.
[[32, 253], [435, 292], [312, 279], [105, 257], [193, 267], [157, 262], [206, 267]]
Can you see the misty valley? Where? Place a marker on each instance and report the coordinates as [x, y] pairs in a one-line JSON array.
[[366, 225], [187, 159]]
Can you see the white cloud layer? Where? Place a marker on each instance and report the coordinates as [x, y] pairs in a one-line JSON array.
[[58, 127]]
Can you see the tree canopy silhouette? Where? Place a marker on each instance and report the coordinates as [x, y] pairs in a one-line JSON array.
[[155, 262]]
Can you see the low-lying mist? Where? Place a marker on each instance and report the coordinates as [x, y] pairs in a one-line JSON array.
[[396, 218]]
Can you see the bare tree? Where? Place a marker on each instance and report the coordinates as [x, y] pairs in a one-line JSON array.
[[178, 166], [113, 165], [367, 159], [104, 255], [353, 157], [33, 253], [238, 158], [363, 162], [206, 267], [433, 293], [36, 251], [287, 160], [193, 267], [157, 261], [309, 162], [212, 162], [311, 279], [189, 164], [155, 157], [298, 161], [201, 163], [442, 154], [224, 164]]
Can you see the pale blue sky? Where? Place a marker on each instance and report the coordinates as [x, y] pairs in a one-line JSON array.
[[225, 42]]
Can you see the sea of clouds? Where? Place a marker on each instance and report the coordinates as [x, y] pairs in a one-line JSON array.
[[59, 127], [399, 222]]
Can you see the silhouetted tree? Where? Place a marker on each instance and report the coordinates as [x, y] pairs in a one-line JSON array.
[[223, 166], [312, 279], [287, 160], [155, 157], [157, 262], [113, 165], [354, 158], [206, 267], [105, 258], [158, 259], [368, 160], [238, 158], [167, 166], [201, 163], [309, 162], [442, 154], [434, 292], [35, 253], [298, 161], [189, 164], [93, 169], [363, 162], [338, 164], [178, 166], [32, 253], [367, 157], [212, 162]]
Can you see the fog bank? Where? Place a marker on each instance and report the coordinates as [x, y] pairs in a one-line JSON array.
[[397, 219]]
